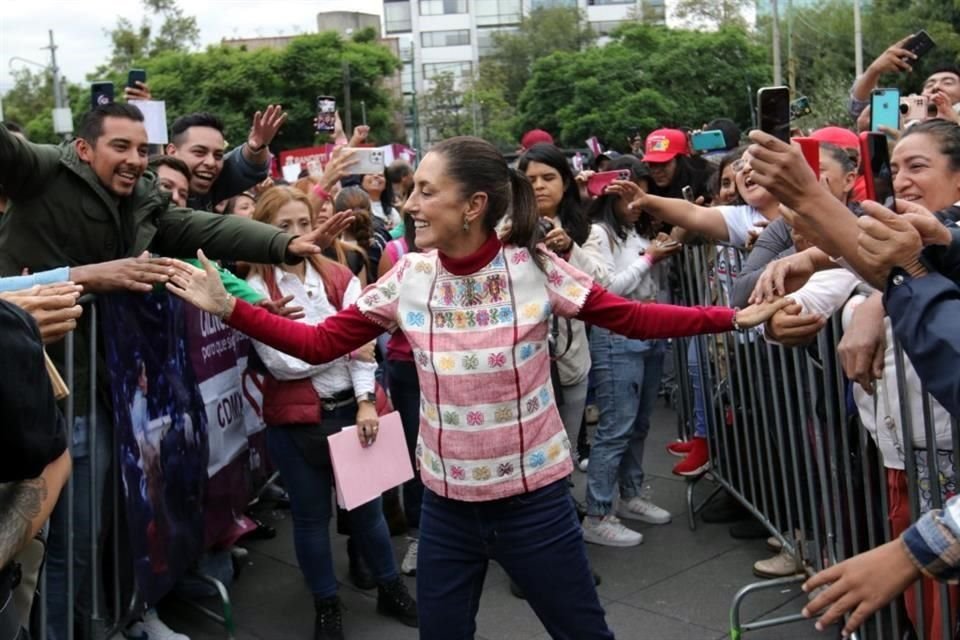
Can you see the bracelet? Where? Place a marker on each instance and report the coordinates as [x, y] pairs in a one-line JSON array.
[[733, 320], [256, 149]]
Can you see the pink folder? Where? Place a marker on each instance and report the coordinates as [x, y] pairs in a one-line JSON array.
[[363, 473]]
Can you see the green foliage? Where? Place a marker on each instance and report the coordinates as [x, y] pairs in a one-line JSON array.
[[444, 112], [725, 13], [648, 77], [234, 84], [30, 101]]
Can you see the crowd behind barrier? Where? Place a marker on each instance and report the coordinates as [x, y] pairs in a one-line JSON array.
[[786, 441]]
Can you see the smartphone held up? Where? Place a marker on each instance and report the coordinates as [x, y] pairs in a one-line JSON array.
[[773, 111], [326, 114]]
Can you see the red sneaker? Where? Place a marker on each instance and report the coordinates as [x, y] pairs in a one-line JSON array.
[[697, 461], [680, 448]]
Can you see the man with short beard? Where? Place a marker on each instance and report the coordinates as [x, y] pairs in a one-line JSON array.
[[215, 174]]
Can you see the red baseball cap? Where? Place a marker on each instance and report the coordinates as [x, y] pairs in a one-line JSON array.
[[535, 136], [843, 138], [663, 145]]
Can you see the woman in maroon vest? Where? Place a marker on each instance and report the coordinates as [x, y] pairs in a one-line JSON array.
[[303, 404]]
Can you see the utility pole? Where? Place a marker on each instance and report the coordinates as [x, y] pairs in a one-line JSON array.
[[857, 38], [791, 61], [777, 70], [62, 116], [348, 118]]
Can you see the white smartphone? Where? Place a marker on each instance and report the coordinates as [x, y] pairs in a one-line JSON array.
[[366, 160]]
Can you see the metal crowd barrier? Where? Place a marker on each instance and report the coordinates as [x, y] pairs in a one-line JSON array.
[[782, 443]]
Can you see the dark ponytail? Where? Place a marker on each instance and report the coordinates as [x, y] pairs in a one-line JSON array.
[[525, 230]]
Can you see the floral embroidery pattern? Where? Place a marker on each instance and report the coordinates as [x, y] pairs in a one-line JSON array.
[[483, 317], [537, 459], [520, 257], [423, 267], [422, 358], [471, 362], [435, 465], [505, 469], [533, 404], [451, 417], [494, 287], [389, 290], [415, 318], [481, 473], [471, 318], [447, 363], [503, 414], [544, 397], [458, 473], [531, 311], [555, 278], [526, 351], [574, 291], [496, 360], [431, 412], [554, 451], [475, 418]]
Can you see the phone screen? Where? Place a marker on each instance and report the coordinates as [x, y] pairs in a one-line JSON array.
[[326, 113], [687, 192], [881, 175], [774, 111]]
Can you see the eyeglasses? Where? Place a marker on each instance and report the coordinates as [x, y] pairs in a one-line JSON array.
[[738, 165]]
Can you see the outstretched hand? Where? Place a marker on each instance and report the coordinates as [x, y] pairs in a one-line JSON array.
[[322, 237], [201, 287], [757, 314], [265, 126], [781, 169]]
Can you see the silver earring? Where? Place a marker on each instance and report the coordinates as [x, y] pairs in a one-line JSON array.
[[466, 225]]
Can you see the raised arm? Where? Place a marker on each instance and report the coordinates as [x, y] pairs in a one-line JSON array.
[[692, 217], [335, 337], [25, 168]]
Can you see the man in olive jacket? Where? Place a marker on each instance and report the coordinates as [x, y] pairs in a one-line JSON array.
[[91, 205]]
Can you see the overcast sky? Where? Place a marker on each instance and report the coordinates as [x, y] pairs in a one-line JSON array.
[[78, 26]]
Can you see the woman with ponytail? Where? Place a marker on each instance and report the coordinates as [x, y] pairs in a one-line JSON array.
[[492, 451]]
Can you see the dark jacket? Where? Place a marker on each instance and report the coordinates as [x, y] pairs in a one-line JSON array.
[[60, 215]]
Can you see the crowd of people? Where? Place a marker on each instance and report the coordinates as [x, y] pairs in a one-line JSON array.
[[492, 304]]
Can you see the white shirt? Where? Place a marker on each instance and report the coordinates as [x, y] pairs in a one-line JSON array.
[[391, 217], [627, 272], [332, 377]]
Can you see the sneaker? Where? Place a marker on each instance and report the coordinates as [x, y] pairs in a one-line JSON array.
[[329, 621], [409, 565], [609, 532], [395, 601], [680, 448], [153, 628], [584, 463], [697, 461], [637, 508], [779, 566], [774, 544]]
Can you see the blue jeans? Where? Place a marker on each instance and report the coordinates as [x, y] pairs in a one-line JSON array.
[[535, 537], [405, 395], [84, 486], [310, 488], [628, 380], [697, 390]]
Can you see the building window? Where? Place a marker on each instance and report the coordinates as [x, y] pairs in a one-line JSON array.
[[486, 41], [396, 16], [496, 12], [442, 7], [551, 4], [460, 70], [445, 38]]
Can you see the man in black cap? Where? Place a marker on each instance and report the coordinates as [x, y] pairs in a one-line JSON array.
[[34, 461]]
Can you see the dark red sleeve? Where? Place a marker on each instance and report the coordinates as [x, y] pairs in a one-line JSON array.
[[334, 337], [643, 320]]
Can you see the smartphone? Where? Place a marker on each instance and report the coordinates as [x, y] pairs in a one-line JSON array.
[[326, 114], [773, 110], [708, 140], [800, 107], [687, 192], [919, 44], [914, 109], [101, 93], [885, 109], [366, 160], [600, 181], [810, 148], [134, 76], [877, 172]]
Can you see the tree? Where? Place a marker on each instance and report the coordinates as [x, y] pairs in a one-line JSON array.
[[722, 13], [444, 112], [647, 77], [30, 102], [132, 43], [234, 83]]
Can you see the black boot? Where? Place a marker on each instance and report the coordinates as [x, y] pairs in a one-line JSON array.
[[360, 574], [329, 623], [395, 601]]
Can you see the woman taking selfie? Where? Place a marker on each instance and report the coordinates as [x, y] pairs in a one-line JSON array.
[[493, 454]]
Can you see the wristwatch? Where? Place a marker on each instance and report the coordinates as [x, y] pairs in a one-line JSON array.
[[367, 397], [255, 149]]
